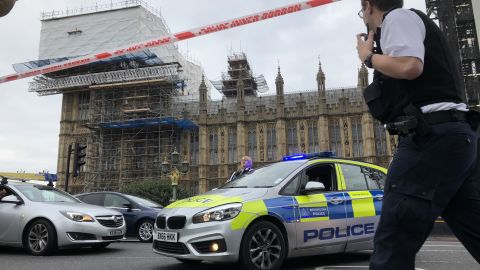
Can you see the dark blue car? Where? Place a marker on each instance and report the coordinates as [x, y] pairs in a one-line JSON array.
[[139, 213]]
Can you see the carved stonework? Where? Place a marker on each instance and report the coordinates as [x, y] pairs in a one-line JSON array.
[[185, 145], [222, 147], [262, 145], [302, 138], [346, 137]]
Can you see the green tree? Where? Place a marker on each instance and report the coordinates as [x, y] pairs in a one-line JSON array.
[[154, 190]]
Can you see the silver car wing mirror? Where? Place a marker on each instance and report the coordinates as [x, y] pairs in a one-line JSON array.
[[11, 199]]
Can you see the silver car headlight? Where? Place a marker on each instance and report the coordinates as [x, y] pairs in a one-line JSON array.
[[78, 217], [219, 213]]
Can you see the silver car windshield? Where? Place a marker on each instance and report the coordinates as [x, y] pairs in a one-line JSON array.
[[45, 194], [264, 177]]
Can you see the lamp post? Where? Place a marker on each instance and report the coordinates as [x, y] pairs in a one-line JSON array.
[[174, 170]]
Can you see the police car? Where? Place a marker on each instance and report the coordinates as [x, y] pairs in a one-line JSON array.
[[305, 205]]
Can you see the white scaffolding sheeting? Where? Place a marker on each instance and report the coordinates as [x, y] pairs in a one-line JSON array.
[[86, 30]]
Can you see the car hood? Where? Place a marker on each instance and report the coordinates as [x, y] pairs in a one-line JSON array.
[[83, 208], [214, 198]]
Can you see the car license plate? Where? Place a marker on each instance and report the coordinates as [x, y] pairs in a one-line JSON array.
[[116, 232], [167, 237]]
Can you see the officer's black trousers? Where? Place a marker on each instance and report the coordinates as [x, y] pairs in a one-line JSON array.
[[433, 175]]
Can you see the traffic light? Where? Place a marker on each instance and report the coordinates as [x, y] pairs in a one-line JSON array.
[[79, 154]]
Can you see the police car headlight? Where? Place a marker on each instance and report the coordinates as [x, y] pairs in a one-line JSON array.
[[220, 213], [78, 217]]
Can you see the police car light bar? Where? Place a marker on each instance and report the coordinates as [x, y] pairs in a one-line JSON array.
[[323, 154]]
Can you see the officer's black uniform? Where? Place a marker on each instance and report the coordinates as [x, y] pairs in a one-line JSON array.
[[432, 171]]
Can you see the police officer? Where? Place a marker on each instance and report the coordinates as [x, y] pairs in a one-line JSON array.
[[416, 93]]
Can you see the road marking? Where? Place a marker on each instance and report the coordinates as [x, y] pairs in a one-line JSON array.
[[439, 250], [443, 246], [349, 267], [131, 257]]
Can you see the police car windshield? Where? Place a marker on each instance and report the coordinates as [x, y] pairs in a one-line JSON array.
[[268, 176], [45, 194]]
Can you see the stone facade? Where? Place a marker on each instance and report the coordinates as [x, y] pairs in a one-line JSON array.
[[265, 128]]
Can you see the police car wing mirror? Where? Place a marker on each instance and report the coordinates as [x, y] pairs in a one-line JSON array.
[[313, 187]]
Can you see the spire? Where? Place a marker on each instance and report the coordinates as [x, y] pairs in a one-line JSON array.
[[203, 95], [362, 77], [279, 78], [203, 85], [279, 82], [320, 77], [203, 90]]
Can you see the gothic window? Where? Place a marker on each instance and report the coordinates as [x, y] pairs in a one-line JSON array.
[[157, 158], [110, 162], [232, 145], [194, 148], [357, 137], [335, 138], [380, 139], [271, 143], [213, 147], [252, 143], [292, 142], [139, 155], [313, 146], [83, 105]]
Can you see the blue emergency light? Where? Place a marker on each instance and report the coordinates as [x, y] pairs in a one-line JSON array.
[[323, 154]]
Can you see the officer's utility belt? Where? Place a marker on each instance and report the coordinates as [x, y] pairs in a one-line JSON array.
[[420, 123]]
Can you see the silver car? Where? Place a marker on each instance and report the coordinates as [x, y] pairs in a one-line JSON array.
[[305, 205], [43, 219]]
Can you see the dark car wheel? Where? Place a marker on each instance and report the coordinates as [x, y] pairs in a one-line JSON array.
[[40, 238], [145, 231], [263, 247], [187, 261]]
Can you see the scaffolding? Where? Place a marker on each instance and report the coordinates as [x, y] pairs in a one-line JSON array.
[[44, 85], [133, 129], [132, 111], [239, 69], [457, 20]]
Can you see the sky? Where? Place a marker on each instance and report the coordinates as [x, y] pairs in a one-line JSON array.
[[30, 124]]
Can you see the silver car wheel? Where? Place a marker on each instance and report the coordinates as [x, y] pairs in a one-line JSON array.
[[38, 237], [145, 231], [265, 248]]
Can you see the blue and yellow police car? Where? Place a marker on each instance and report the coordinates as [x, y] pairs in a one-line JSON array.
[[304, 205]]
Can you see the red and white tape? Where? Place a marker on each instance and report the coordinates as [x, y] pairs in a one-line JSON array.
[[83, 60]]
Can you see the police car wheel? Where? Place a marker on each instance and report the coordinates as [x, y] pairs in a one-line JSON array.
[[263, 247], [145, 231], [187, 261], [40, 238]]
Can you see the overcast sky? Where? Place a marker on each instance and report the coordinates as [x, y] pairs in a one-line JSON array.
[[30, 124]]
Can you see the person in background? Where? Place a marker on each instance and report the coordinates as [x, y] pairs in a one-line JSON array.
[[3, 193], [246, 166]]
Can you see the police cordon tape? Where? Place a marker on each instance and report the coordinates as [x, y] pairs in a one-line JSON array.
[[83, 60]]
